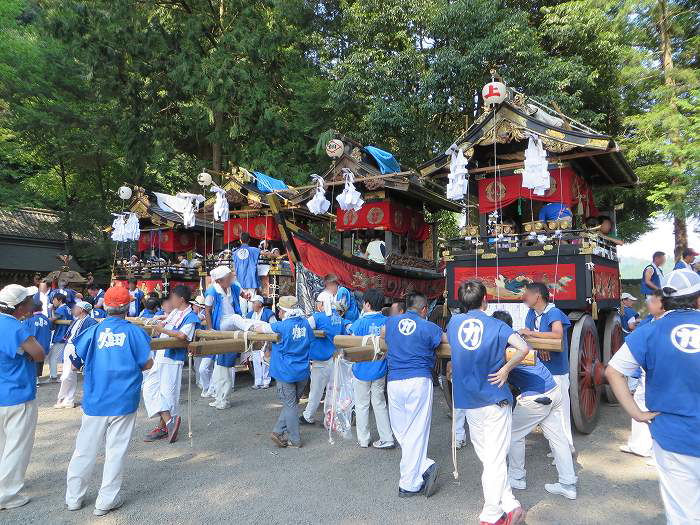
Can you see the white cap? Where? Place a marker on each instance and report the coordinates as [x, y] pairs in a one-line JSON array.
[[220, 272], [14, 294], [628, 296], [257, 299], [680, 283], [84, 305]]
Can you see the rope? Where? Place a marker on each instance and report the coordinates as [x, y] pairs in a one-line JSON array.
[[455, 472], [189, 402], [374, 339], [336, 371], [556, 265]]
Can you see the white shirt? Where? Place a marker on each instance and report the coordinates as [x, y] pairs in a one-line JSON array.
[[44, 298], [174, 319], [374, 251], [226, 306], [132, 305]]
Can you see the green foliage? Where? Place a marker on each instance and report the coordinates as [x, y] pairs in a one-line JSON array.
[[101, 92]]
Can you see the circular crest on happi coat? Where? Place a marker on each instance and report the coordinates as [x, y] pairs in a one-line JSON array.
[[260, 231], [350, 218], [335, 148], [375, 215], [493, 194]]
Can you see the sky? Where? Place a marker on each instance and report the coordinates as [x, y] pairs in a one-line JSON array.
[[659, 239]]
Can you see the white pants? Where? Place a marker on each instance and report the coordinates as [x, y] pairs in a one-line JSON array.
[[640, 441], [261, 369], [204, 372], [374, 391], [69, 378], [17, 426], [223, 379], [679, 479], [115, 432], [489, 431], [410, 411], [526, 416], [562, 382], [247, 306], [460, 421], [320, 374], [55, 355], [197, 361], [161, 388]]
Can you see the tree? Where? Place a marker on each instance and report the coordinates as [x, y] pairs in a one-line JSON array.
[[663, 93]]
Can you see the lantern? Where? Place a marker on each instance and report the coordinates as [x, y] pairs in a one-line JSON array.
[[124, 193], [335, 148], [204, 179], [494, 93]]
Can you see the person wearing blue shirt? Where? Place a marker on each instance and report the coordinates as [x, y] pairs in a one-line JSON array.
[[40, 327], [553, 211], [114, 354], [652, 275], [161, 386], [69, 377], [538, 403], [97, 295], [411, 343], [342, 297], [289, 365], [686, 261], [68, 294], [479, 375], [137, 296], [223, 312], [261, 368], [245, 260], [19, 353], [370, 377], [546, 321], [150, 308], [629, 317], [61, 312], [668, 350], [325, 318]]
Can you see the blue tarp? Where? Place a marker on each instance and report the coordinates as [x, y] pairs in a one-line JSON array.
[[267, 184], [386, 161]]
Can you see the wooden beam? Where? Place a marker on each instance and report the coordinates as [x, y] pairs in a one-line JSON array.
[[355, 341], [238, 334]]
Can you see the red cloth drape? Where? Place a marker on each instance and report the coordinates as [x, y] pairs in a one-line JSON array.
[[170, 241], [565, 187], [257, 228], [385, 215]]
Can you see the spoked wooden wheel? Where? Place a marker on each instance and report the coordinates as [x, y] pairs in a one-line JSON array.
[[613, 338], [585, 374]]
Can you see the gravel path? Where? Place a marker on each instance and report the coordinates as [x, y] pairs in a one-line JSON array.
[[234, 473]]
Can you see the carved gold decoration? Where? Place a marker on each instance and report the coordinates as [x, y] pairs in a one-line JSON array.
[[356, 154], [488, 256], [597, 143], [548, 247], [555, 146], [555, 134], [535, 253]]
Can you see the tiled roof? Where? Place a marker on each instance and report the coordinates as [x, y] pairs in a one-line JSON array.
[[31, 223]]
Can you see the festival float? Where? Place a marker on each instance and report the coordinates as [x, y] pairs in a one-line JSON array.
[[515, 158], [371, 198]]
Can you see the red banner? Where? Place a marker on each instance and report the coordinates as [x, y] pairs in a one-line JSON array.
[[257, 227], [384, 215], [606, 282], [170, 241], [565, 186], [358, 278], [509, 283], [150, 285]]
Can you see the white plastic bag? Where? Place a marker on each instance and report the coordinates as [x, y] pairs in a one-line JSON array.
[[340, 400]]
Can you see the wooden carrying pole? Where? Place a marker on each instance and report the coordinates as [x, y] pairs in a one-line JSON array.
[[238, 334]]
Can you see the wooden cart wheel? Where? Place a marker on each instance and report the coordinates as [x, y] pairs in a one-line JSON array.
[[612, 341], [584, 355]]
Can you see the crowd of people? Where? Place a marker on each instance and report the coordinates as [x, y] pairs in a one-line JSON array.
[[499, 399]]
